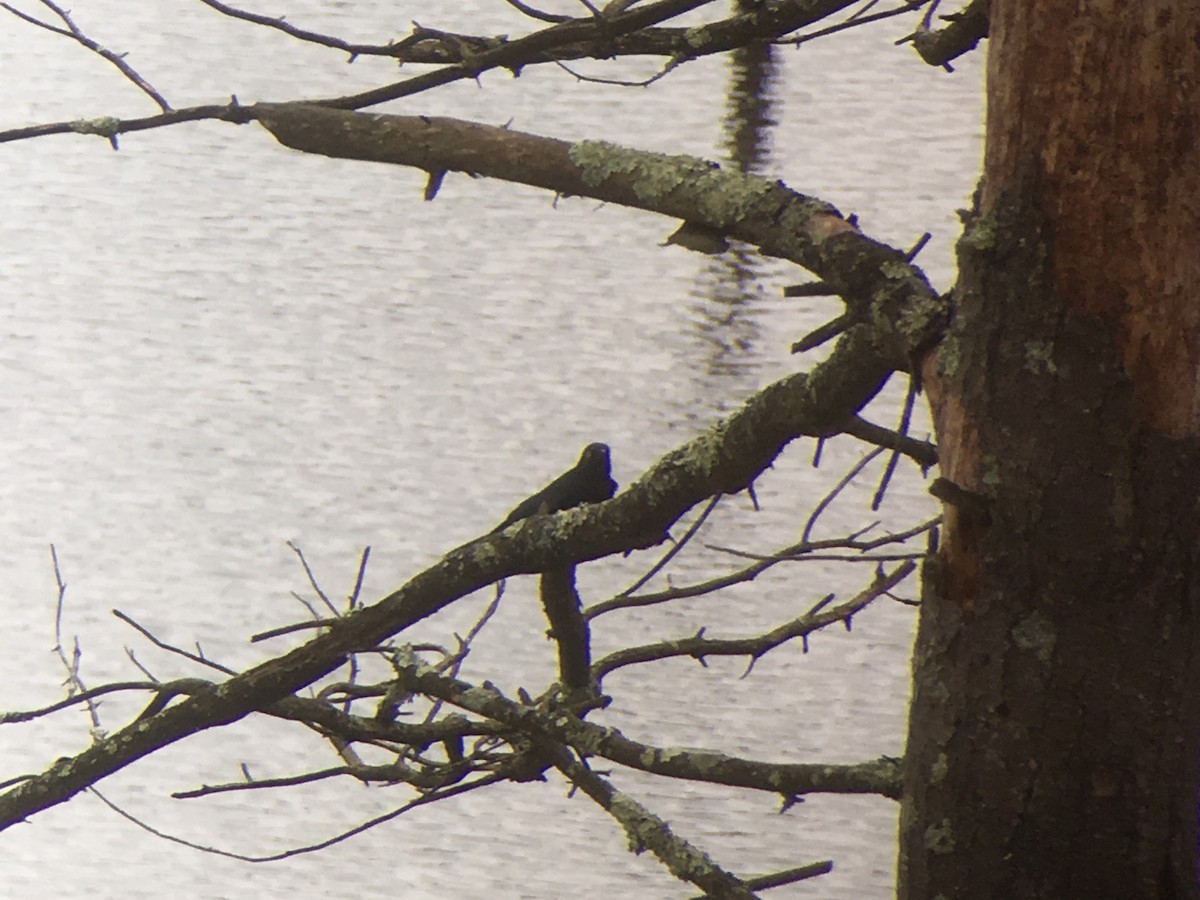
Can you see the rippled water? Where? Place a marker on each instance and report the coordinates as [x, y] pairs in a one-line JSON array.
[[212, 345]]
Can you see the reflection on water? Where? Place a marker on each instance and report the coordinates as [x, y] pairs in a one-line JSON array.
[[727, 302]]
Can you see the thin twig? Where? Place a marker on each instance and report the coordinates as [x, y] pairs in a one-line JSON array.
[[536, 13], [186, 654], [675, 548], [74, 680], [854, 21], [312, 580], [910, 398], [351, 604], [923, 453], [73, 31], [308, 848], [464, 645], [785, 876], [794, 553], [521, 51], [668, 67], [833, 493], [302, 34], [698, 647], [7, 718]]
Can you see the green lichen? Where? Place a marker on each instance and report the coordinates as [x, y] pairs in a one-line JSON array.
[[940, 767], [698, 37], [722, 198], [991, 471], [921, 312], [949, 354], [797, 216], [1039, 357], [1036, 633], [666, 754], [980, 234], [105, 126], [939, 838]]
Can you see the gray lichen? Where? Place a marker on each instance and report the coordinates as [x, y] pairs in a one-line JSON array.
[[1036, 633], [1039, 357], [991, 470], [939, 838], [941, 767], [723, 198], [105, 126], [697, 37], [980, 234]]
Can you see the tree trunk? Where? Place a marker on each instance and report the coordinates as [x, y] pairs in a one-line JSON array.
[[1054, 737]]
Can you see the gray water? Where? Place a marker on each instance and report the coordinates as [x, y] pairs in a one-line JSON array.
[[212, 346]]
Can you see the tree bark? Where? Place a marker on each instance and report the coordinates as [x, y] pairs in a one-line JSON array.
[[1054, 735]]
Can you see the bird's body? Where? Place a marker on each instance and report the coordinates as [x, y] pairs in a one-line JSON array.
[[590, 481]]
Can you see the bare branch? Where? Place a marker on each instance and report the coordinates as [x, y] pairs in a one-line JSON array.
[[877, 283], [676, 547], [788, 780], [309, 848], [854, 21], [171, 648], [599, 33], [923, 453], [302, 34], [312, 579], [795, 553], [74, 680], [699, 647], [82, 696], [109, 126], [910, 398], [536, 13], [834, 492], [646, 831], [73, 31], [905, 317]]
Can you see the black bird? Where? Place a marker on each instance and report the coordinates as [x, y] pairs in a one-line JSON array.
[[589, 482]]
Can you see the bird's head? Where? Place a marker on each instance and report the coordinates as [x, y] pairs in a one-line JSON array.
[[595, 456]]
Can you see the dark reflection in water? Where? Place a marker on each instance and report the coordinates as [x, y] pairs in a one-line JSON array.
[[727, 300]]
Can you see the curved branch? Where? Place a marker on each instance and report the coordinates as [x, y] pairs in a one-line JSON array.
[[698, 647], [877, 282], [805, 550], [76, 34]]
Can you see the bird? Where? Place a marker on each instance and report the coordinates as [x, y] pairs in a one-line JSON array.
[[590, 481]]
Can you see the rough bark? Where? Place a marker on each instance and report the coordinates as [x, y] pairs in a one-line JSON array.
[[568, 627], [1055, 728]]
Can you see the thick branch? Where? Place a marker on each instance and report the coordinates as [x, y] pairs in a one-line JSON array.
[[568, 627], [647, 831], [966, 29], [876, 281]]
